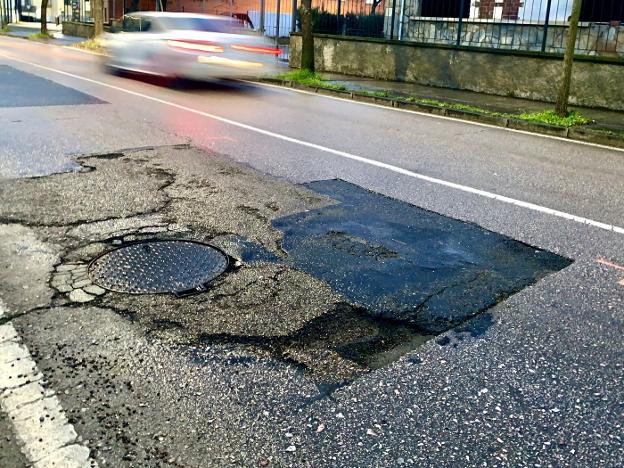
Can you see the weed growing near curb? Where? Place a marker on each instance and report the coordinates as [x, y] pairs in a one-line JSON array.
[[94, 45], [311, 79], [40, 36], [548, 117]]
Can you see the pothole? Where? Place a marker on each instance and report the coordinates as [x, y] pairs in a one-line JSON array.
[[376, 278], [73, 279], [170, 266]]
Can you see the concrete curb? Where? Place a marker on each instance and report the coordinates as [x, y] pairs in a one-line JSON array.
[[53, 41], [85, 51], [584, 134]]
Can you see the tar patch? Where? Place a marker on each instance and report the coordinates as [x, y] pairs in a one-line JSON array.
[[407, 264], [21, 89]]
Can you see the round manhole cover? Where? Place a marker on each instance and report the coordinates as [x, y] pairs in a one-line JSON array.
[[179, 267]]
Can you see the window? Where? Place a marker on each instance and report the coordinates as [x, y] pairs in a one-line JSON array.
[[602, 11], [445, 8], [193, 23], [135, 24], [130, 24]]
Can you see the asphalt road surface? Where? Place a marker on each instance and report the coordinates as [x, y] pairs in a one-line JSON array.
[[503, 345]]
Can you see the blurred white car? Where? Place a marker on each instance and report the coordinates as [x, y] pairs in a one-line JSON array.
[[193, 46]]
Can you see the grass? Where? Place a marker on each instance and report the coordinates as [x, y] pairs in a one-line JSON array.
[[4, 29], [40, 36], [93, 45], [380, 94], [549, 117], [455, 106], [308, 78]]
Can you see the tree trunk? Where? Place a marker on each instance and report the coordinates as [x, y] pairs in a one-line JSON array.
[[307, 37], [98, 17], [44, 16], [561, 107]]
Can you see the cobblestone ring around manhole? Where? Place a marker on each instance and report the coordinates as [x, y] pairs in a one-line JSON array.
[[179, 267]]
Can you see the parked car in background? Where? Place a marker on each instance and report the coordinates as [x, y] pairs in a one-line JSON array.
[[185, 45]]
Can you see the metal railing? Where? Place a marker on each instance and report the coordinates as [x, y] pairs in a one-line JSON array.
[[349, 17], [77, 10], [515, 25], [8, 12], [528, 25]]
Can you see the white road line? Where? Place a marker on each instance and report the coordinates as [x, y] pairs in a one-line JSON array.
[[342, 154], [378, 106], [47, 439], [440, 117]]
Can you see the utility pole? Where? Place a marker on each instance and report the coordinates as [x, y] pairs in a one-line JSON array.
[[293, 17], [98, 17], [44, 17], [561, 107], [307, 36], [2, 14], [278, 13]]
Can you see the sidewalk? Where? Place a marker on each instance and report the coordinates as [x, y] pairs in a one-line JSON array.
[[25, 30], [604, 119]]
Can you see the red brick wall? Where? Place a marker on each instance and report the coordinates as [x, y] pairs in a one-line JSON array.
[[220, 7], [486, 8], [210, 7], [510, 8]]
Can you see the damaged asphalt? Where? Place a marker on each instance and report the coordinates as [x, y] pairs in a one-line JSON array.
[[276, 364]]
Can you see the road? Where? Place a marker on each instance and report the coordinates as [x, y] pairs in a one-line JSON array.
[[536, 380]]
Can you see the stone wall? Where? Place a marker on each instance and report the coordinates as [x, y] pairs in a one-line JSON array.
[[523, 75], [496, 24], [73, 28], [593, 39]]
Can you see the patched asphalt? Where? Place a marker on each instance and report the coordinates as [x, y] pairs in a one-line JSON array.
[[273, 366], [21, 89], [534, 380]]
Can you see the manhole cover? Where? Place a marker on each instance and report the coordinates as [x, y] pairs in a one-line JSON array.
[[179, 267]]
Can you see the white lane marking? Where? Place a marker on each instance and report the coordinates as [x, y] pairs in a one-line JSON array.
[[36, 414], [343, 154], [440, 117], [369, 104]]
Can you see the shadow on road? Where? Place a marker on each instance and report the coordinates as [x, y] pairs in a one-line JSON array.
[[222, 86]]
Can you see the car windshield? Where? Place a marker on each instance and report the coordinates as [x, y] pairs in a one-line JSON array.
[[198, 24]]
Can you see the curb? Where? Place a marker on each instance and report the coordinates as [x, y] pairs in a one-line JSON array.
[[47, 42], [85, 51], [584, 134]]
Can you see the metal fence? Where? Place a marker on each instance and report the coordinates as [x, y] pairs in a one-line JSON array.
[[77, 10], [349, 17], [273, 18], [7, 12], [530, 25]]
